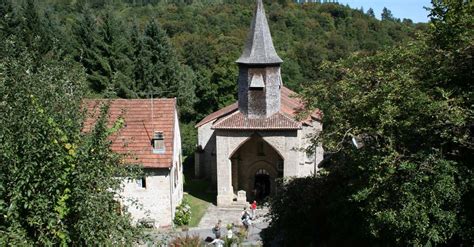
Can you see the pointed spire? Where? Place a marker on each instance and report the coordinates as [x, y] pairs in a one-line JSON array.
[[259, 46]]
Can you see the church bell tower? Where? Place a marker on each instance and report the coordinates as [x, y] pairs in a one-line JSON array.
[[259, 70]]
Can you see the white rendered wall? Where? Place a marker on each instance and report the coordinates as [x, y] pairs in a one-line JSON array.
[[176, 186], [153, 201]]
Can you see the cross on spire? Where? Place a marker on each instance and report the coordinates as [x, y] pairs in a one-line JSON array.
[[259, 46]]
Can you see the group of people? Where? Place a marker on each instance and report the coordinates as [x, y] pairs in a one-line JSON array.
[[246, 219]]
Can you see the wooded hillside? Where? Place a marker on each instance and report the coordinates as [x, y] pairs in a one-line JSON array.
[[133, 49]]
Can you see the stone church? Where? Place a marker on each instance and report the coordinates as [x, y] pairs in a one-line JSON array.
[[244, 147]]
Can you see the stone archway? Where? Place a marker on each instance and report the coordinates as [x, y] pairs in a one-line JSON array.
[[255, 166]]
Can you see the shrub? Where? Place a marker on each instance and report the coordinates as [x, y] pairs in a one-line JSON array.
[[186, 241], [183, 214]]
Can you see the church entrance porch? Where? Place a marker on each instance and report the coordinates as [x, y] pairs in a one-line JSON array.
[[262, 187], [255, 167]]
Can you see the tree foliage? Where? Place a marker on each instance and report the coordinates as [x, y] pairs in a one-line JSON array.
[[412, 182], [57, 184], [187, 50], [193, 45]]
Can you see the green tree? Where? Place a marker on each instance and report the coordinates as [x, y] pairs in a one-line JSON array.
[[30, 27], [104, 49], [88, 50], [163, 75], [117, 51], [7, 20], [411, 184], [57, 184], [387, 15], [370, 13]]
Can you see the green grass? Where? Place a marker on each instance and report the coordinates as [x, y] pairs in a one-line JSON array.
[[198, 208], [198, 198]]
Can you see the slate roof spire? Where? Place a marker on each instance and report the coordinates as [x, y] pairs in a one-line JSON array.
[[259, 46]]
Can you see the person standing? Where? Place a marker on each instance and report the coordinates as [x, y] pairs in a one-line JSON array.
[[246, 219], [217, 229], [253, 208]]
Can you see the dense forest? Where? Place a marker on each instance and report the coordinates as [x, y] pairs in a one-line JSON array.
[[187, 50]]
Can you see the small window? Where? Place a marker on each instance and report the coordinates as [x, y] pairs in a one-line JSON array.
[[141, 183], [158, 142]]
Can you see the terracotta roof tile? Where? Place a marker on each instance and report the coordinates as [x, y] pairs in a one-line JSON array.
[[220, 113], [290, 107], [134, 139], [237, 120]]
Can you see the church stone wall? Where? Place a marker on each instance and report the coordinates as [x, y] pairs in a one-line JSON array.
[[227, 142], [219, 146], [253, 155], [243, 89], [309, 159], [205, 164], [272, 90], [289, 144], [263, 102]]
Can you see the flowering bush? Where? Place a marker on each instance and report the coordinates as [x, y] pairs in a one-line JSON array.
[[183, 214]]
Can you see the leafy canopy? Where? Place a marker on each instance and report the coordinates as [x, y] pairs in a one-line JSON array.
[[412, 183], [57, 184]]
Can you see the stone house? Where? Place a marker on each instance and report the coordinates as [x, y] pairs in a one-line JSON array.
[[246, 146], [150, 136]]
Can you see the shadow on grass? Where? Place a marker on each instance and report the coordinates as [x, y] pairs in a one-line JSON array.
[[199, 198], [200, 189]]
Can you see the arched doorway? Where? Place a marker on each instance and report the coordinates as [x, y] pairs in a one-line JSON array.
[[255, 167], [262, 185]]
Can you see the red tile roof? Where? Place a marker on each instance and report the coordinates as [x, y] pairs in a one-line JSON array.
[[290, 107], [220, 113], [237, 120], [134, 139]]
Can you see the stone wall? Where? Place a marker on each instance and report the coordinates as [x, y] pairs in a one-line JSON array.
[[153, 201], [219, 146], [309, 160], [227, 142], [253, 155], [264, 102], [205, 164], [272, 90]]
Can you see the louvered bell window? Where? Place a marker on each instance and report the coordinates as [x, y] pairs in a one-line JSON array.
[[257, 82]]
